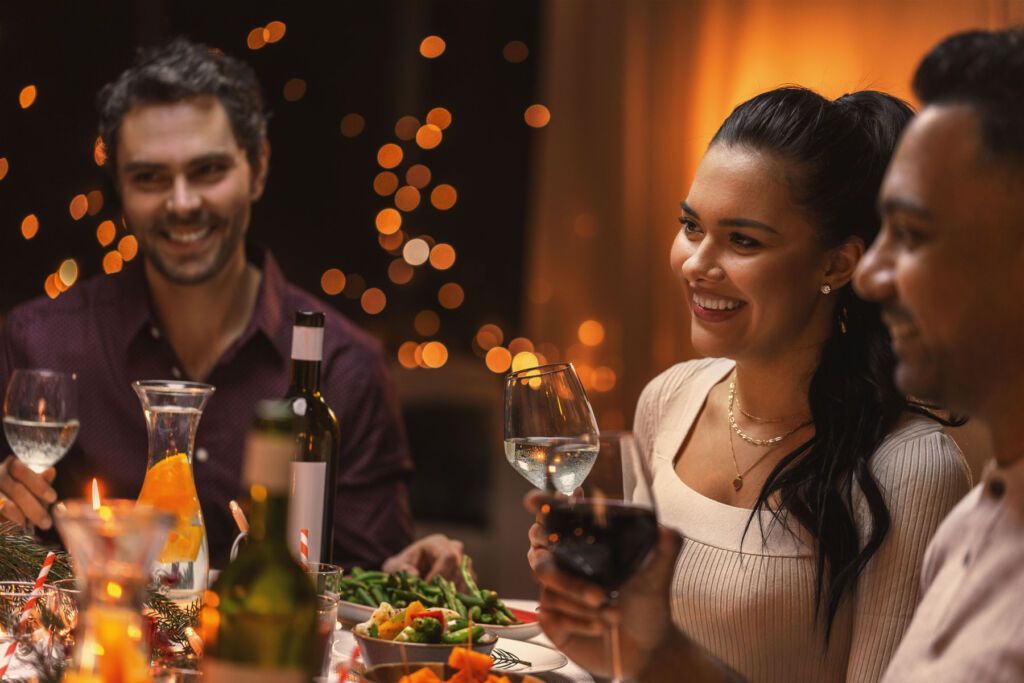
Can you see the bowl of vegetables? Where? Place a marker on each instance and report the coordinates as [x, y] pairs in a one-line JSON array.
[[417, 634], [461, 666]]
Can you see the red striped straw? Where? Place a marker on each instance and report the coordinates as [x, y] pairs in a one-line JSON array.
[[304, 545], [37, 590]]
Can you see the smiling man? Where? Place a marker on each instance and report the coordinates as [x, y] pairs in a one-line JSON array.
[[186, 136]]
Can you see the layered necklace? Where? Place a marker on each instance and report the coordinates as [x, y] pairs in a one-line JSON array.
[[770, 444]]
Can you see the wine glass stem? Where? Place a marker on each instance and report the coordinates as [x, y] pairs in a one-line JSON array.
[[616, 652]]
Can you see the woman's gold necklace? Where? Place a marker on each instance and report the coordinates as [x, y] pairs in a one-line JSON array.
[[764, 443], [737, 483]]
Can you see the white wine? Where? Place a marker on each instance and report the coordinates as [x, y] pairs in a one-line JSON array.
[[265, 626], [40, 444], [563, 461]]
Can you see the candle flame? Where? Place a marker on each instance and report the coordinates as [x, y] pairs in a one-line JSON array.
[[95, 495]]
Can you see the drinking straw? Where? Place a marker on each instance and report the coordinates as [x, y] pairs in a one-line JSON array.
[[33, 598], [304, 545]]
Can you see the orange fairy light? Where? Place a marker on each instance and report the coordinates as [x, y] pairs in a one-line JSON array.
[[440, 117], [95, 202], [332, 281], [432, 47], [442, 256], [29, 226], [489, 336], [96, 501], [443, 197], [400, 272], [294, 89], [275, 31], [128, 246], [388, 221], [99, 152], [352, 125], [537, 116], [407, 355], [105, 233], [389, 155], [524, 360], [78, 206], [27, 96], [519, 345], [427, 323], [385, 183], [256, 38], [590, 332], [428, 136], [392, 242], [58, 283], [4, 166], [435, 354], [450, 295], [498, 359], [416, 251], [50, 287], [418, 176], [515, 51], [112, 262], [373, 301], [68, 272], [406, 127], [603, 378], [407, 198]]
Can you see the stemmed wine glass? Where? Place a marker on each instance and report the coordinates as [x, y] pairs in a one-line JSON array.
[[40, 417], [551, 435]]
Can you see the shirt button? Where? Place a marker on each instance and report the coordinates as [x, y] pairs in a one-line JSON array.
[[996, 488], [202, 455], [176, 372]]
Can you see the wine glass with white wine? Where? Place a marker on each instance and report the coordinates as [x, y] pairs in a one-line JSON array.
[[40, 416]]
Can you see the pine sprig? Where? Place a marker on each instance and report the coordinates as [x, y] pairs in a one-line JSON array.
[[21, 556], [172, 620], [503, 659]]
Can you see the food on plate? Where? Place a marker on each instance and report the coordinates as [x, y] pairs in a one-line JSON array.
[[471, 667], [418, 624], [371, 588]]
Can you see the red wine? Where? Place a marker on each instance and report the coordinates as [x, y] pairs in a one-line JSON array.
[[601, 540]]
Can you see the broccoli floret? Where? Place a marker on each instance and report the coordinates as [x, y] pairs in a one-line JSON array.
[[425, 630]]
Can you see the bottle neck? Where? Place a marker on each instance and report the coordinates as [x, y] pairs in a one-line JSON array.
[[269, 518], [305, 376]]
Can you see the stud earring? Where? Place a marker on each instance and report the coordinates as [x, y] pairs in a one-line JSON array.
[[826, 288]]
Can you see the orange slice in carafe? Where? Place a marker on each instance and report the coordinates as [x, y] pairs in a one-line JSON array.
[[169, 486]]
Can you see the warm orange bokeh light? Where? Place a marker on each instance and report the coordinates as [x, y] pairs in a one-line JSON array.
[[443, 197], [355, 285], [407, 198], [29, 226], [332, 281], [435, 354], [428, 136], [112, 262], [385, 183], [406, 127], [418, 176], [27, 96], [294, 89], [489, 335], [4, 166], [440, 117], [50, 286], [388, 221], [400, 272], [352, 125], [519, 345], [590, 332], [94, 200], [498, 359], [128, 247], [537, 116], [523, 360], [275, 31], [389, 155], [392, 242], [99, 152], [106, 232], [407, 355], [256, 38], [427, 323], [432, 47], [442, 256], [515, 51], [96, 500], [79, 205], [416, 252], [68, 272], [373, 301], [602, 379], [451, 295]]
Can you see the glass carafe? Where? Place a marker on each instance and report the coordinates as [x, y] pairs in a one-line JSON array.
[[111, 546], [172, 411]]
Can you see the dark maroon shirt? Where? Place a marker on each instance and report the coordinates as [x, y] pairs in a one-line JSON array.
[[104, 329]]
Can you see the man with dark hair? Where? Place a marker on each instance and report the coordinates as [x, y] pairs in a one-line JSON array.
[[948, 269], [186, 138]]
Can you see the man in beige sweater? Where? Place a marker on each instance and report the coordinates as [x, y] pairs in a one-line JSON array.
[[948, 269]]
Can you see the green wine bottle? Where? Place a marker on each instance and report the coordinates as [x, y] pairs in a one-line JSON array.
[[264, 605], [315, 470]]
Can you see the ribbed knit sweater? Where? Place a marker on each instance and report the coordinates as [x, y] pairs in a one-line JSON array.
[[750, 599]]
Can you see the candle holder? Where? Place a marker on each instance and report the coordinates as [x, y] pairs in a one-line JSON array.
[[112, 546], [172, 411]]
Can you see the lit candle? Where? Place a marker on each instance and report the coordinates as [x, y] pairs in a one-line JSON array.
[[95, 495]]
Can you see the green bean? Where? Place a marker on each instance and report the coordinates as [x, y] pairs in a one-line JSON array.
[[467, 577], [474, 613], [470, 600], [364, 597], [462, 635], [378, 594]]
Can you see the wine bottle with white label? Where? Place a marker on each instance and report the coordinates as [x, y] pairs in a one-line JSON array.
[[315, 469]]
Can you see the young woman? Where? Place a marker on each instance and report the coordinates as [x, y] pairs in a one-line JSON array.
[[804, 485]]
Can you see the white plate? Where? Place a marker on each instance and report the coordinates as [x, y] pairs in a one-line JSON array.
[[517, 631], [541, 658], [353, 611]]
